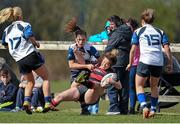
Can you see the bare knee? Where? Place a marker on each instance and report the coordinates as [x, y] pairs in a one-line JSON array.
[[91, 96]]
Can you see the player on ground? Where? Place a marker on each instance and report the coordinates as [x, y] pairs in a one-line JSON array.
[[91, 90], [19, 39], [150, 40]]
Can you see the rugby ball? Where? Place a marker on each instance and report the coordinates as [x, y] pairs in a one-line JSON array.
[[108, 80]]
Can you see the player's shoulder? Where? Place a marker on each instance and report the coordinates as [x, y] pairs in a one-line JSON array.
[[72, 46], [24, 24], [138, 30], [159, 30], [88, 46]]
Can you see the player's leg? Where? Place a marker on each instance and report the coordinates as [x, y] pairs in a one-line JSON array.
[[140, 81], [42, 72], [28, 91], [75, 84], [92, 95], [71, 94], [154, 95], [142, 75], [154, 80]]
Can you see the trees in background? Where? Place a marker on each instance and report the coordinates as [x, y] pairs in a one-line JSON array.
[[48, 17]]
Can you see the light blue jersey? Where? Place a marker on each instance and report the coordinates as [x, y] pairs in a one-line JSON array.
[[150, 41]]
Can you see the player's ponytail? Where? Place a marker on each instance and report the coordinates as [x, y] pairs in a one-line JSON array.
[[10, 14], [148, 16], [73, 27], [6, 14]]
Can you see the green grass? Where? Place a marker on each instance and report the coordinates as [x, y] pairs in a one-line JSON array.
[[69, 113]]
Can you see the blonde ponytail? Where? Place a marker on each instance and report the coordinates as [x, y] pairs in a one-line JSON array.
[[6, 14], [10, 14]]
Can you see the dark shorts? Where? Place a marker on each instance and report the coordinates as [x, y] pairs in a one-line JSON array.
[[31, 62], [82, 90], [145, 70]]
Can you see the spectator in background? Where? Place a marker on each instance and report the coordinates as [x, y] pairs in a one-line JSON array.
[[7, 91], [132, 72], [37, 101], [4, 65], [101, 38], [150, 41], [89, 56], [120, 38]]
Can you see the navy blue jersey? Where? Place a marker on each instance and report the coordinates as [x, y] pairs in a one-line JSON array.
[[90, 55]]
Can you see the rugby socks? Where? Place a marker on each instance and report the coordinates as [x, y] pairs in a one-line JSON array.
[[54, 103], [142, 99], [47, 99], [27, 99], [154, 102]]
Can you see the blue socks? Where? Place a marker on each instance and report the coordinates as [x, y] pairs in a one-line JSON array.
[[142, 99], [47, 99], [27, 98], [154, 102]]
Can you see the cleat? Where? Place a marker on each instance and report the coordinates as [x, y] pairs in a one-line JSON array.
[[38, 109], [27, 107], [151, 114], [145, 112], [82, 77], [49, 107], [85, 112]]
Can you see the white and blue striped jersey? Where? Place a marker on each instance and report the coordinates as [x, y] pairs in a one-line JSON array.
[[90, 54], [16, 37], [150, 41]]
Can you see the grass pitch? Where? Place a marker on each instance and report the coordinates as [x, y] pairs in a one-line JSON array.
[[69, 113]]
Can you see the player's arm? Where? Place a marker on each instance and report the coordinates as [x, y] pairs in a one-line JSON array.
[[74, 65], [167, 50], [28, 34], [78, 56], [3, 40], [168, 53], [34, 42]]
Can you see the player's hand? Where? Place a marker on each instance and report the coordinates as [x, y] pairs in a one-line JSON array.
[[117, 85], [169, 68], [128, 67], [37, 44], [90, 66]]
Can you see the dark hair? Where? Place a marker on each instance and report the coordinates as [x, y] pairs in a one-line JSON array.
[[116, 19], [73, 27], [134, 24], [148, 16], [4, 71]]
